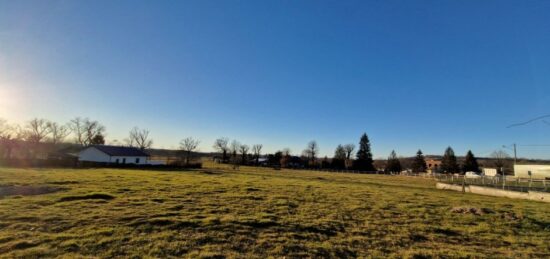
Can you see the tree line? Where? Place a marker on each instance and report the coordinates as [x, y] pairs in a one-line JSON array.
[[86, 132], [235, 153]]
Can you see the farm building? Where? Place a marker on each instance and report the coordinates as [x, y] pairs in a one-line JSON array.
[[490, 171], [113, 154], [433, 165], [534, 171]]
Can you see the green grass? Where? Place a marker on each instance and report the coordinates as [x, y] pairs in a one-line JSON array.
[[259, 213]]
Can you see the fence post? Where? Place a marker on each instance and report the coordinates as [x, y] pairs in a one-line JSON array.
[[463, 184]]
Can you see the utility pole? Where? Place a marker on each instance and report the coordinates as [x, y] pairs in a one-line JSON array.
[[515, 154], [514, 146]]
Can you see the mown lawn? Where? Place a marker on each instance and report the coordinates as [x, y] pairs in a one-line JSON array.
[[257, 213]]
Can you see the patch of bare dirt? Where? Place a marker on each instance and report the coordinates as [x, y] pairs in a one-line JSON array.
[[25, 190]]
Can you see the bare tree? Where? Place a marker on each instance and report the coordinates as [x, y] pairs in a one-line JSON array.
[[257, 150], [86, 130], [76, 126], [234, 148], [8, 136], [349, 148], [221, 145], [311, 152], [58, 132], [286, 152], [188, 145], [93, 132], [501, 159], [243, 150], [139, 138], [4, 127], [36, 130], [284, 157]]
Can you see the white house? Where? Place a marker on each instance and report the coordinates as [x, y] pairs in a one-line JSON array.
[[113, 154], [534, 171]]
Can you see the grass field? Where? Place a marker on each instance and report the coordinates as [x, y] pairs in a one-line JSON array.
[[257, 213]]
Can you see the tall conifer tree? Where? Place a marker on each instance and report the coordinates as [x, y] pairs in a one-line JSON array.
[[393, 165], [470, 163], [448, 163], [419, 163], [364, 155]]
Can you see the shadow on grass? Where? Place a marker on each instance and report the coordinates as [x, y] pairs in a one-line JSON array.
[[93, 196]]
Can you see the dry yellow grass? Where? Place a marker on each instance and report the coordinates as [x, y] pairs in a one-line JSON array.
[[258, 213]]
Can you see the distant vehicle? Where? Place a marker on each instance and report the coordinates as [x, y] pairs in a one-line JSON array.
[[472, 175]]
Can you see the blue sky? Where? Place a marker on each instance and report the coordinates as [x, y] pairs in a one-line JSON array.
[[412, 74]]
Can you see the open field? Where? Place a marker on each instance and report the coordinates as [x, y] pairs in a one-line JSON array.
[[254, 212]]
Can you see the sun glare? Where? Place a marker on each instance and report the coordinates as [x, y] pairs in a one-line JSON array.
[[8, 100]]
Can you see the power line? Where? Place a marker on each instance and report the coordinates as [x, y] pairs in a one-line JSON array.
[[529, 121]]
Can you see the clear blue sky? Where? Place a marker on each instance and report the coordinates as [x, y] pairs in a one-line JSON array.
[[412, 74]]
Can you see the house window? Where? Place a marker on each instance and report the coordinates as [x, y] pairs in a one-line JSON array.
[[116, 161], [137, 160], [124, 160]]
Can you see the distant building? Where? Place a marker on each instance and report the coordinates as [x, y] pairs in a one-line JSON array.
[[532, 171], [113, 154], [490, 171], [432, 165]]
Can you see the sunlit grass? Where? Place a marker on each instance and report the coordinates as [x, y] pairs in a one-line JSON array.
[[256, 212]]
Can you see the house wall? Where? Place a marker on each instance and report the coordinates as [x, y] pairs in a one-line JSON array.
[[432, 166], [93, 155], [129, 159], [537, 171]]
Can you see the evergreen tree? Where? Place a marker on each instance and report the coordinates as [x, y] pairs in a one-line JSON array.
[[325, 163], [364, 155], [275, 159], [393, 165], [470, 163], [339, 159], [448, 163], [419, 163], [98, 140]]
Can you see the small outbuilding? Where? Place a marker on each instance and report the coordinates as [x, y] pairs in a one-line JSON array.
[[114, 155], [490, 172]]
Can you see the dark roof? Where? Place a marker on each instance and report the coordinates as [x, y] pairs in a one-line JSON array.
[[120, 151]]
